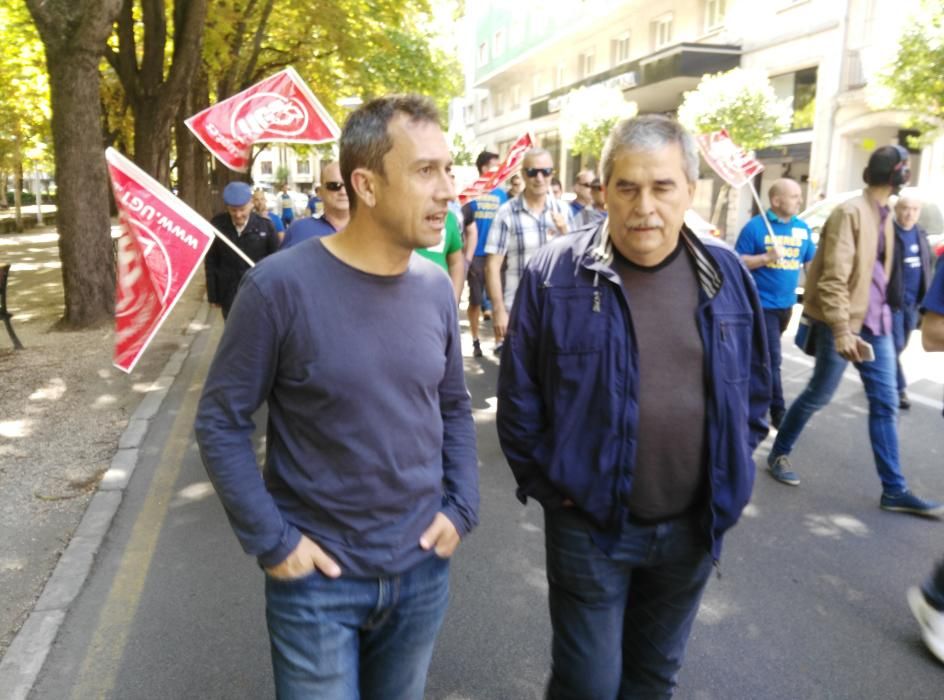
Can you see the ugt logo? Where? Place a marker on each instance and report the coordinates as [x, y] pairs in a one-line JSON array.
[[268, 113]]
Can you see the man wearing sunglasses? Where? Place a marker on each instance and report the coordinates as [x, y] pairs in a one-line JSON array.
[[336, 210], [582, 188], [521, 227]]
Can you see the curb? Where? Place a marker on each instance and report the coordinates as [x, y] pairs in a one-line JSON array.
[[26, 655]]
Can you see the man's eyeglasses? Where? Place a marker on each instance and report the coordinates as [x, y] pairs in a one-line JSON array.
[[334, 186], [533, 172], [596, 188]]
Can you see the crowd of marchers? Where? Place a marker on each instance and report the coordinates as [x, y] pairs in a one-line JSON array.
[[613, 323]]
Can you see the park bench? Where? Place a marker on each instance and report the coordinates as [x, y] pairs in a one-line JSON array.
[[4, 314]]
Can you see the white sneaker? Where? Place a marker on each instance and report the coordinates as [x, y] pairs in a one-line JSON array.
[[931, 621]]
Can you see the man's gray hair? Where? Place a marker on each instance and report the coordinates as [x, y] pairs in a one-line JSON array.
[[533, 153], [649, 133]]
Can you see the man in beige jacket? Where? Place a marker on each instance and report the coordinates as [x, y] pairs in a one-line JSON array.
[[850, 321]]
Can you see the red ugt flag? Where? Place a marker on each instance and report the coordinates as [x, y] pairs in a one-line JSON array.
[[490, 181], [727, 159], [161, 246], [279, 108]]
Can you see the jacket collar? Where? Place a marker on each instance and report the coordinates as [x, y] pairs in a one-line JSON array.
[[597, 257]]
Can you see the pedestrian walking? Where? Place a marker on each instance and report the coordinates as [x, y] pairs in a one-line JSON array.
[[370, 477], [521, 227], [774, 256], [336, 211], [927, 602], [631, 393], [850, 320], [911, 275], [253, 234]]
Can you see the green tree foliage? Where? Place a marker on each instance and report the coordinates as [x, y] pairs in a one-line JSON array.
[[741, 101], [24, 100], [589, 114], [916, 77]]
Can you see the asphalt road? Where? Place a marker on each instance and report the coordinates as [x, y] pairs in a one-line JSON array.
[[810, 602]]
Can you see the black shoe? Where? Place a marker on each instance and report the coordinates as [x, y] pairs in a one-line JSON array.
[[904, 403], [776, 418], [498, 348], [476, 348]]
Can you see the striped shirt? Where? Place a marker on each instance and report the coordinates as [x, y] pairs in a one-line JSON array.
[[517, 234]]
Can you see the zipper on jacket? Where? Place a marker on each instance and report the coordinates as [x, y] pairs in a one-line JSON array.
[[716, 563]]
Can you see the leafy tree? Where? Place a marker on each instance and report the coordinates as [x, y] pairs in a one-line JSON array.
[[744, 103], [155, 83], [916, 77], [741, 101], [73, 33], [461, 155], [589, 114], [24, 130]]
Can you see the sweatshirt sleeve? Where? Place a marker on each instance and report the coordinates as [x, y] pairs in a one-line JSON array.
[[460, 463], [239, 380]]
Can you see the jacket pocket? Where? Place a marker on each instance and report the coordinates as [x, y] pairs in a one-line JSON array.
[[575, 320], [733, 345]]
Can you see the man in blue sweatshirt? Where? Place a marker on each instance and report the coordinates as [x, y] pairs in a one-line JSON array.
[[370, 477]]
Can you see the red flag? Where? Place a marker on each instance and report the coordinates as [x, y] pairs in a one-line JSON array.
[[161, 246], [727, 159], [279, 108], [490, 181]]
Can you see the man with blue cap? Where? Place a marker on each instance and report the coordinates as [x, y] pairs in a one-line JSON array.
[[251, 233]]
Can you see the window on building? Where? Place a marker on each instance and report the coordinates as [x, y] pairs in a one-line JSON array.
[[483, 109], [662, 31], [303, 166], [800, 89], [714, 14], [585, 64], [559, 75], [483, 53], [498, 43], [265, 167], [620, 49], [499, 102], [516, 96]]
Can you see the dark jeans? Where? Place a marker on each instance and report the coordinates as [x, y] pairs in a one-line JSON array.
[[347, 638], [621, 622], [904, 321], [775, 323], [934, 587], [878, 377]]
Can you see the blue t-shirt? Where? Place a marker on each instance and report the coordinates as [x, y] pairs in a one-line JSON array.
[[576, 207], [484, 209], [305, 228], [276, 221], [910, 264], [934, 297], [777, 281]]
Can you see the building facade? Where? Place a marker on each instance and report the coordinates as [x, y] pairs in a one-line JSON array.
[[822, 56]]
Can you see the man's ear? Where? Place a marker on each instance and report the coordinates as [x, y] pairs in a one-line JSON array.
[[363, 181]]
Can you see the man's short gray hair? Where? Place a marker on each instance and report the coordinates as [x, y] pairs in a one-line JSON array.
[[650, 133], [533, 153]]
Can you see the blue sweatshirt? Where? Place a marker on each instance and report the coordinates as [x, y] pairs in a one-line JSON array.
[[370, 431]]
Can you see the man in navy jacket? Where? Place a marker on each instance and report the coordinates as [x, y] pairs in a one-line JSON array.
[[631, 395]]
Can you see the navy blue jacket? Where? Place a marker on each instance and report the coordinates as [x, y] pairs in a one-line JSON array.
[[568, 383]]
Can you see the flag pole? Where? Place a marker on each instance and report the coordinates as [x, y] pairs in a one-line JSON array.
[[763, 214]]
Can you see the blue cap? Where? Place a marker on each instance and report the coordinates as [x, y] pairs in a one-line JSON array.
[[236, 194]]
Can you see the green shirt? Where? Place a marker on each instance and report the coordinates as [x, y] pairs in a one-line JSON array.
[[450, 243]]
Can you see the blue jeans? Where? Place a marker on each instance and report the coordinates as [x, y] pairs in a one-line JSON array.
[[904, 321], [878, 377], [621, 621], [350, 638], [775, 323]]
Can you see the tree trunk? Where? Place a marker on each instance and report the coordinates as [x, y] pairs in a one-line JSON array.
[[193, 168], [85, 247]]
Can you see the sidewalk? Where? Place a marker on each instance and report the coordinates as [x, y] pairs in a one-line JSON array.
[[63, 410]]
